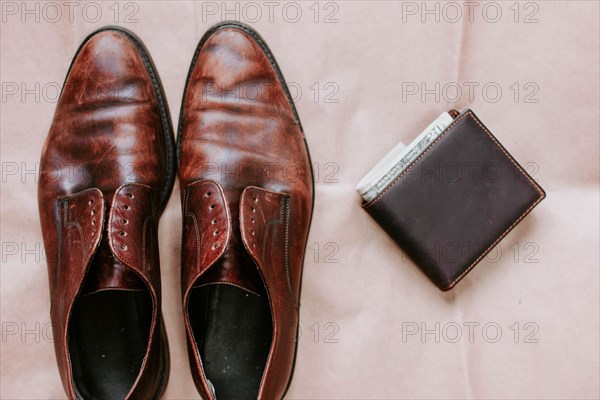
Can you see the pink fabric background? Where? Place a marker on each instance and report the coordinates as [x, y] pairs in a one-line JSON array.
[[359, 288]]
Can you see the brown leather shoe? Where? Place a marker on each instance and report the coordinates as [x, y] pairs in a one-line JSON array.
[[107, 170], [247, 193]]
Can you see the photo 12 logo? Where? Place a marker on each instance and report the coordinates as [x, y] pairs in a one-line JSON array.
[[517, 252], [263, 92], [323, 172], [470, 11], [455, 92], [70, 11], [251, 12], [15, 253], [26, 332], [474, 172], [50, 92], [470, 332]]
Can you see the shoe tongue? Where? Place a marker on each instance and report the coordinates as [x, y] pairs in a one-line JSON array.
[[235, 267], [107, 272]]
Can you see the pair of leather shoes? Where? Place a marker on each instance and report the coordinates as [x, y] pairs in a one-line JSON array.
[[107, 171]]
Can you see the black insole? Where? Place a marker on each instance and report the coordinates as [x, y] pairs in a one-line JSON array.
[[108, 336], [234, 330]]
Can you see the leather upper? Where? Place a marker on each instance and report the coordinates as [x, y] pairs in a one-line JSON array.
[[103, 169], [246, 188]]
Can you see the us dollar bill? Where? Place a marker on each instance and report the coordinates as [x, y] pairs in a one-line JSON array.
[[399, 158]]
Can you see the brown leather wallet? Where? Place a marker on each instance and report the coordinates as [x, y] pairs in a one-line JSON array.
[[456, 201]]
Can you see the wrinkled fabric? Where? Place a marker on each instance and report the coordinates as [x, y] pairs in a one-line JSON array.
[[523, 324]]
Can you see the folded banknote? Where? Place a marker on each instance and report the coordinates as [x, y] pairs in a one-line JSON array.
[[399, 158]]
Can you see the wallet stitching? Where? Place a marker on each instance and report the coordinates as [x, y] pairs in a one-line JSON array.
[[413, 164], [534, 184], [483, 254], [468, 113], [512, 160]]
